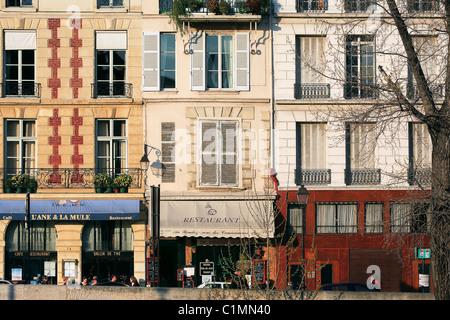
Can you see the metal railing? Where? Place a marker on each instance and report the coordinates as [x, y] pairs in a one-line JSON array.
[[419, 176], [311, 91], [359, 5], [424, 5], [111, 90], [437, 90], [236, 6], [311, 5], [312, 176], [65, 178], [21, 89], [362, 176], [360, 91]]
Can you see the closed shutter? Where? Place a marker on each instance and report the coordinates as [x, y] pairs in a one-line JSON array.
[[209, 141], [198, 62], [151, 61], [168, 150], [242, 66], [228, 164]]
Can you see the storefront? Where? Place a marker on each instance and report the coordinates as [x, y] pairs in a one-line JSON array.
[[47, 244], [220, 237]]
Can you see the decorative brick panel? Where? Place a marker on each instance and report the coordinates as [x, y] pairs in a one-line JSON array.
[[54, 62], [55, 141], [76, 62], [76, 141]]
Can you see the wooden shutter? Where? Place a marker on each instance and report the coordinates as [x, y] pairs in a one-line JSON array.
[[209, 142], [198, 62], [167, 150], [151, 61], [228, 165], [242, 65]]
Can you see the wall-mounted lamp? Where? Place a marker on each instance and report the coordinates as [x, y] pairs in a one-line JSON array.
[[157, 167], [302, 196]]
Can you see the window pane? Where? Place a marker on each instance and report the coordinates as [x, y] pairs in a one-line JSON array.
[[167, 61], [168, 79], [168, 42], [103, 128], [27, 72], [120, 128], [12, 128], [118, 73], [27, 56], [11, 57], [213, 79], [326, 218], [119, 58], [102, 57], [12, 72], [29, 129], [102, 73]]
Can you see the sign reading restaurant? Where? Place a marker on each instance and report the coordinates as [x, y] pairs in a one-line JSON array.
[[70, 210]]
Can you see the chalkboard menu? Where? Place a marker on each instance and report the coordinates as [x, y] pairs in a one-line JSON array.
[[259, 271], [151, 263]]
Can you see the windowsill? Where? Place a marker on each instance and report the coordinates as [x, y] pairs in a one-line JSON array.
[[20, 9], [221, 91], [111, 9], [219, 188], [11, 99]]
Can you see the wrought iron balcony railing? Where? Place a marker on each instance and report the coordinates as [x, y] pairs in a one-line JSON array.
[[311, 91], [424, 5], [419, 176], [359, 5], [437, 90], [111, 90], [311, 5], [67, 178], [21, 89], [362, 176], [312, 176], [360, 91], [236, 7]]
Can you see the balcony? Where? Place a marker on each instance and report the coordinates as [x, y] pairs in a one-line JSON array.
[[312, 177], [14, 89], [311, 5], [111, 90], [34, 179], [358, 5], [311, 91], [437, 90], [362, 176], [419, 176], [360, 91], [423, 5]]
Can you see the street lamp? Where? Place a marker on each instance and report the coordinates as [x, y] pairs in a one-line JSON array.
[[157, 167], [302, 199]]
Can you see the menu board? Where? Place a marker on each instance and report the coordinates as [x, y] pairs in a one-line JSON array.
[[259, 271], [150, 265]]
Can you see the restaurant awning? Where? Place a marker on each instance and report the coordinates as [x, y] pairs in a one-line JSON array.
[[217, 218], [70, 210]]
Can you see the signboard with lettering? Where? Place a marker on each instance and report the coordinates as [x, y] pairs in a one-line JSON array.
[[207, 268], [259, 271], [423, 253], [152, 270]]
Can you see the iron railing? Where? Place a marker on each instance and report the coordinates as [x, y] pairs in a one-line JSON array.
[[236, 6], [311, 5], [437, 90], [359, 5], [311, 91], [69, 178], [360, 91], [111, 90], [21, 89], [312, 176], [420, 176], [362, 176], [424, 5]]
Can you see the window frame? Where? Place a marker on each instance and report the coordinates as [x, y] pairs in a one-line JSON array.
[[20, 5], [111, 159], [20, 79], [377, 229], [20, 139], [111, 81], [161, 69], [294, 229], [336, 227]]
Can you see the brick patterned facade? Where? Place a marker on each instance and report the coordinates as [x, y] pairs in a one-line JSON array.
[[55, 141], [54, 62], [76, 62]]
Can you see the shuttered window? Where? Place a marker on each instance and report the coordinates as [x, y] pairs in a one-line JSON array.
[[220, 61], [168, 150], [219, 145], [151, 61]]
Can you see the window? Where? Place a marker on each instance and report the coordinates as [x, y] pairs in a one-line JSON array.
[[311, 5], [336, 218], [310, 68], [111, 64], [111, 146], [360, 154], [220, 61], [19, 63], [360, 67], [168, 150], [108, 236], [409, 217], [311, 154], [19, 3], [159, 61], [20, 146], [219, 145], [423, 5], [295, 219], [373, 217], [109, 3], [43, 236], [359, 5], [420, 149]]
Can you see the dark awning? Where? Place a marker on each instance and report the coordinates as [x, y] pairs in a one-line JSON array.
[[70, 210]]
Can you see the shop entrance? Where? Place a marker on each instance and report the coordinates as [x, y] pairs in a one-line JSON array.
[[121, 264]]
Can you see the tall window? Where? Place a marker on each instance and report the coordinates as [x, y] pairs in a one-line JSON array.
[[43, 236], [20, 145], [359, 5], [420, 147], [108, 236], [111, 145], [219, 153], [310, 68], [19, 63], [409, 217], [423, 5], [219, 61], [311, 154], [19, 3], [373, 221], [336, 218], [295, 219], [167, 60], [111, 64], [360, 67]]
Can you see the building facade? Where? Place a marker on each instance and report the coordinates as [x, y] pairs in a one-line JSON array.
[[71, 110]]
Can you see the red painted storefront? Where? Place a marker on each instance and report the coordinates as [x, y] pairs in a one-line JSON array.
[[344, 258]]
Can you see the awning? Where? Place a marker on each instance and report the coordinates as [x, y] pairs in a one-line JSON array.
[[217, 219], [71, 210]]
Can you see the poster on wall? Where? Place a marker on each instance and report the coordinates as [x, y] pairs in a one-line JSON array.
[[16, 274], [50, 268]]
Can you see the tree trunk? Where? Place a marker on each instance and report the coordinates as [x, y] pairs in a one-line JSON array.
[[440, 221]]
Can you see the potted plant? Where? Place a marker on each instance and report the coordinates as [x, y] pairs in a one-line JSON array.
[[31, 184], [122, 181], [19, 182], [224, 7], [195, 5], [8, 186], [213, 6], [100, 182], [110, 186]]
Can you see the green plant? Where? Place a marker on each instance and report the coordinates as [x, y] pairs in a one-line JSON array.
[[178, 10], [19, 181], [213, 6], [8, 183], [224, 7], [32, 183], [122, 180], [195, 5], [101, 180]]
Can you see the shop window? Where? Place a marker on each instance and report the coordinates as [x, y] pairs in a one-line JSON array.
[[42, 236], [409, 217], [108, 236]]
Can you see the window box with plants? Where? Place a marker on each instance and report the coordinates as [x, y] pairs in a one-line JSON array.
[[122, 182], [101, 182], [21, 183]]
